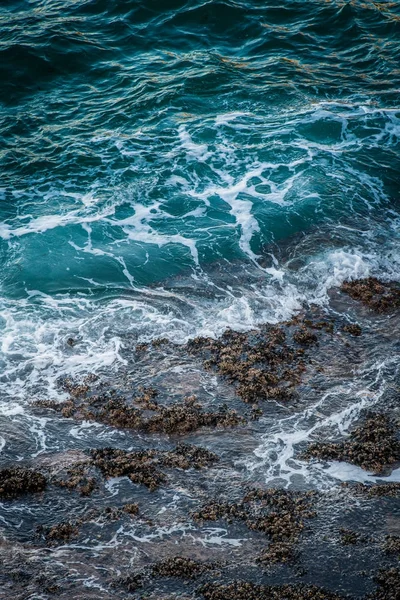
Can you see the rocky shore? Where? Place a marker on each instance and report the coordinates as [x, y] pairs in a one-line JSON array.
[[170, 511]]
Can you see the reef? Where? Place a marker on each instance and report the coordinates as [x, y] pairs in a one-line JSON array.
[[260, 364], [61, 532], [144, 467], [178, 418], [243, 590], [373, 445], [348, 537], [78, 477], [392, 544], [374, 490], [388, 582], [16, 481], [177, 567], [378, 295], [353, 329], [180, 567], [279, 514]]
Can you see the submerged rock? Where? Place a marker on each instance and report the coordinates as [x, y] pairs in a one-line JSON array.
[[353, 329], [348, 537], [144, 467], [388, 585], [260, 364], [16, 481], [243, 590], [374, 490], [373, 445], [279, 514], [183, 568], [392, 544], [78, 477], [62, 532], [178, 418], [374, 293]]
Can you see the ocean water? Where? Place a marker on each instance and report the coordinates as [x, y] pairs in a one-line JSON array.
[[173, 168], [149, 143]]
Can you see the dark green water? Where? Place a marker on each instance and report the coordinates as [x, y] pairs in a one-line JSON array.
[[172, 168]]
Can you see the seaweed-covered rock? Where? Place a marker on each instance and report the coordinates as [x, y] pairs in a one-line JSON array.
[[304, 336], [178, 418], [279, 514], [392, 544], [130, 582], [348, 537], [186, 456], [244, 590], [16, 481], [388, 585], [131, 508], [187, 416], [143, 467], [374, 490], [377, 295], [61, 532], [278, 552], [183, 568], [260, 364], [353, 329], [78, 477], [140, 467], [373, 445]]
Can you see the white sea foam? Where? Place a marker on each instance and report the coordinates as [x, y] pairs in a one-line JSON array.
[[276, 456]]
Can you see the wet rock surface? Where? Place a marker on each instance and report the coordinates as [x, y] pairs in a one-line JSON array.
[[242, 590], [278, 514], [144, 467], [17, 481], [144, 414], [260, 364], [378, 295], [182, 476], [388, 585], [374, 445], [377, 490]]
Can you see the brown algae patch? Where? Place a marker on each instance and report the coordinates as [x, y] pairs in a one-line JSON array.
[[373, 445], [279, 514], [376, 490], [348, 537], [144, 467], [388, 585], [145, 414], [17, 481], [392, 544], [180, 567], [177, 567], [353, 329], [378, 295], [244, 590], [263, 364], [60, 533], [63, 532], [78, 477]]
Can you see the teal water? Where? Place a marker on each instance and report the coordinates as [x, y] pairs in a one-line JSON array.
[[178, 168]]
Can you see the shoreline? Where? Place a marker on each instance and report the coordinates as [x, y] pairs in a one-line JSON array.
[[193, 477]]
